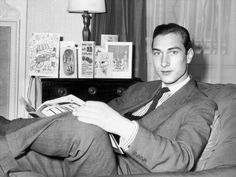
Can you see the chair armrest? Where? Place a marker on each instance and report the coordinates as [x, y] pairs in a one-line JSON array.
[[215, 172]]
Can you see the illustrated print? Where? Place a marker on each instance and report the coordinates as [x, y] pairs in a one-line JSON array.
[[68, 62]]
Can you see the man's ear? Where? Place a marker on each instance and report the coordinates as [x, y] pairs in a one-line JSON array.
[[190, 54]]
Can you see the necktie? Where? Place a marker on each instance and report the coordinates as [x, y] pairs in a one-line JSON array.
[[156, 98], [130, 116]]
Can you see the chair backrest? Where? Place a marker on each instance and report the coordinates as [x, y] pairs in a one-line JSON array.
[[221, 147]]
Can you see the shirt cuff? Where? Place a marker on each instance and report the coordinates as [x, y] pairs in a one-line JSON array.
[[125, 143]]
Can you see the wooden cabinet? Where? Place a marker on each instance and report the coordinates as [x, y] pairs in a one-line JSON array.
[[85, 89]]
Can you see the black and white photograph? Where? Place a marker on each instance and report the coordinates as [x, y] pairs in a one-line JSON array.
[[117, 88]]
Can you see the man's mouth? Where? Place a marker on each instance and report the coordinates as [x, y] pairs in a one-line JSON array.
[[165, 72]]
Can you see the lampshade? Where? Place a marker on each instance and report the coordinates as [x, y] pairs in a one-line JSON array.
[[92, 6]]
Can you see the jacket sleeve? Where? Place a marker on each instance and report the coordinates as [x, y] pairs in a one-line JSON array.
[[178, 146]]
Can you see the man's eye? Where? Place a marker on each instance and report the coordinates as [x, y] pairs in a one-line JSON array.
[[156, 53], [174, 52]]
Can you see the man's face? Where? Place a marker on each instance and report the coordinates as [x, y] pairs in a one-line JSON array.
[[170, 58]]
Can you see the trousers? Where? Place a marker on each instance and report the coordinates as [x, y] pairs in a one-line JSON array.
[[56, 146]]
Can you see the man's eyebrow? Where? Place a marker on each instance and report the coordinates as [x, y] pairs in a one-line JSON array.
[[171, 48], [156, 49], [174, 48]]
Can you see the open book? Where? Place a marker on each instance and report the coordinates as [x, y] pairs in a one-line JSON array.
[[59, 105]]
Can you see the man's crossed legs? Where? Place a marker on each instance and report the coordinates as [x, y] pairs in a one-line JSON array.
[[62, 146]]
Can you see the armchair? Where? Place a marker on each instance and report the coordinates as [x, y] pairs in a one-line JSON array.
[[219, 156]]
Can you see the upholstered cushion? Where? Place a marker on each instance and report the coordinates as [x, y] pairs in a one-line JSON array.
[[3, 125], [3, 120], [211, 145], [221, 146], [25, 174], [225, 152]]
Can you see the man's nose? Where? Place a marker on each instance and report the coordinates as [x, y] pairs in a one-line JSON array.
[[165, 61]]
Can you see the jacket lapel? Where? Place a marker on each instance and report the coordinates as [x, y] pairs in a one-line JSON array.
[[144, 94], [171, 105]]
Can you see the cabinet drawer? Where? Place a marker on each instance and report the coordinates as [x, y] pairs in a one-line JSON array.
[[86, 89]]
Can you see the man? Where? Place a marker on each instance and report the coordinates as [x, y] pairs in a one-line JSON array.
[[169, 138]]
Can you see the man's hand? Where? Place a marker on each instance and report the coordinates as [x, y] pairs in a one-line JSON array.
[[100, 114]]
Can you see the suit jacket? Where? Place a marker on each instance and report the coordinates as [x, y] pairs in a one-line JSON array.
[[170, 138]]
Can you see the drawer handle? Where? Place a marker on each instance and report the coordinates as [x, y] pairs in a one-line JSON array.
[[92, 90], [62, 92], [120, 91]]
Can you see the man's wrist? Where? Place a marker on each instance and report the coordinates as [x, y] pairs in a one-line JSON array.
[[126, 141]]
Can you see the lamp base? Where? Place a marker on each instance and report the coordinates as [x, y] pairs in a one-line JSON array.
[[86, 21]]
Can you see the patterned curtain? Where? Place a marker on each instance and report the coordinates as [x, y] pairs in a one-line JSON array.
[[211, 24], [127, 18]]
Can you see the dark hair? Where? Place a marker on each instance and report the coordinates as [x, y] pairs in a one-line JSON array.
[[173, 28]]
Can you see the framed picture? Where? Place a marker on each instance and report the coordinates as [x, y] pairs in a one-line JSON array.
[[44, 54], [68, 60], [108, 38], [121, 59], [86, 59], [102, 63]]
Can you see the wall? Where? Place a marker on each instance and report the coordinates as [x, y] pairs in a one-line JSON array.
[[52, 16]]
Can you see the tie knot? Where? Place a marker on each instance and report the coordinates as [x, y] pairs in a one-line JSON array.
[[156, 98], [164, 89]]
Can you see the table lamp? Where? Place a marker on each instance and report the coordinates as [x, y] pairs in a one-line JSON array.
[[86, 7]]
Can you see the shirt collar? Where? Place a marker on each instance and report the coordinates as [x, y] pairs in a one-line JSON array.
[[174, 88]]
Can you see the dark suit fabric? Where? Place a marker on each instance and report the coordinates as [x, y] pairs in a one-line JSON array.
[[55, 146], [172, 137]]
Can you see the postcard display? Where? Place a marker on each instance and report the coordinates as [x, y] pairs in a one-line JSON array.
[[86, 59], [108, 38], [68, 60], [102, 63], [50, 57], [44, 54], [121, 60]]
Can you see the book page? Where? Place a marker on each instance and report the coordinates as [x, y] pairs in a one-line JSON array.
[[59, 105], [53, 109]]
